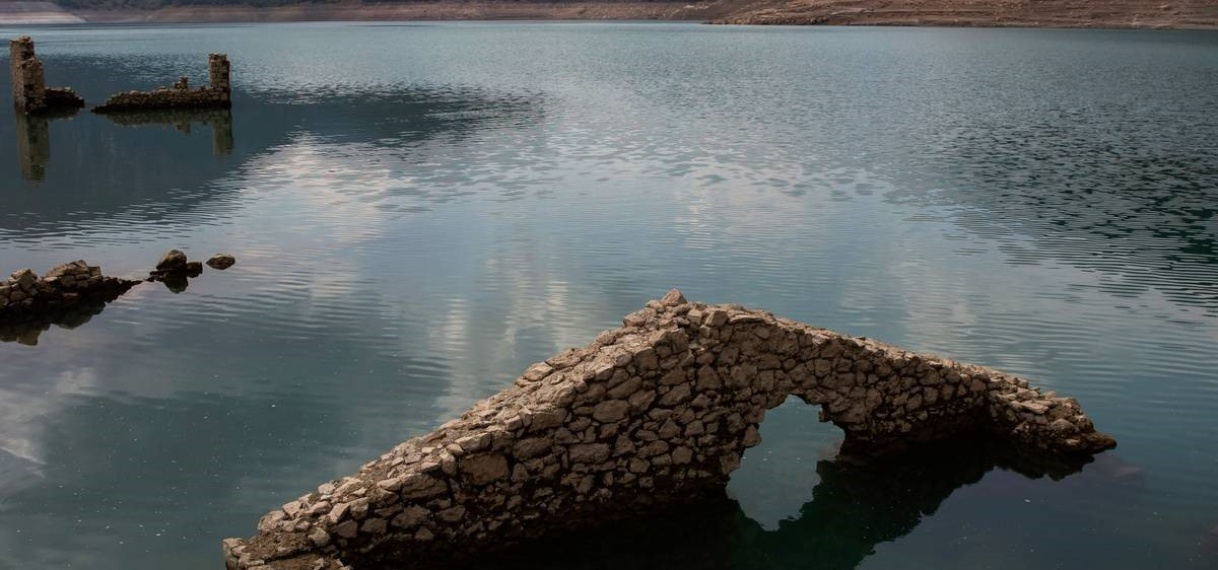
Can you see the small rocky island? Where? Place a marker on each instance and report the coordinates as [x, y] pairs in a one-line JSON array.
[[656, 413]]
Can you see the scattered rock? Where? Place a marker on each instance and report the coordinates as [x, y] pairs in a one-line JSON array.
[[172, 260], [175, 270], [221, 261]]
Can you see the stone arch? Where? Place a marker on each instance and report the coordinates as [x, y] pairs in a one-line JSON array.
[[657, 412]]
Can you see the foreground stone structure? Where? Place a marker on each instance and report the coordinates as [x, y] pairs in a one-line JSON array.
[[216, 95], [656, 413], [30, 93]]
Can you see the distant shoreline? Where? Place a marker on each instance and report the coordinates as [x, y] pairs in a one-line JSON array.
[[414, 11], [1106, 14]]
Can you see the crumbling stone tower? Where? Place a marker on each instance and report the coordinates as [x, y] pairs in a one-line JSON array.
[[29, 86], [218, 74], [30, 93]]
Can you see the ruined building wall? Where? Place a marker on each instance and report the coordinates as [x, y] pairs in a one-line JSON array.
[[657, 412], [218, 73], [216, 95], [29, 85], [30, 93]]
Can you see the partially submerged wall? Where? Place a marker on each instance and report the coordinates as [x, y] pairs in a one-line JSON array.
[[655, 413], [216, 95]]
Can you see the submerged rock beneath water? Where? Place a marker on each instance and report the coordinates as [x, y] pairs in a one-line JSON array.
[[221, 261]]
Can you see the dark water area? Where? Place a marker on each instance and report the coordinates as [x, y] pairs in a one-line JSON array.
[[420, 211]]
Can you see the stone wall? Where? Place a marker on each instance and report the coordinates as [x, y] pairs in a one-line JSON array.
[[655, 413], [26, 74], [25, 293], [218, 70], [216, 95], [30, 94]]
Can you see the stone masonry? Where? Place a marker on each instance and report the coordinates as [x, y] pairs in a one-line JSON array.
[[67, 284], [216, 95], [30, 93], [652, 414]]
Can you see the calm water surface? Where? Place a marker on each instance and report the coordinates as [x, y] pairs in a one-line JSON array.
[[420, 211]]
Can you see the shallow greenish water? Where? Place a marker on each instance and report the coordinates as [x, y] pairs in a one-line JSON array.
[[420, 211]]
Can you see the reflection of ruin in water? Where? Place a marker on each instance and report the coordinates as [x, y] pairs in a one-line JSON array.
[[219, 120], [34, 138], [34, 141], [33, 145], [858, 503], [27, 328]]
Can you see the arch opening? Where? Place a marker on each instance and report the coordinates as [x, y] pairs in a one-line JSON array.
[[777, 476]]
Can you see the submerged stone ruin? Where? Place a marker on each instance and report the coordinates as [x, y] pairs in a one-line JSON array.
[[653, 414], [217, 94], [32, 96], [69, 294], [35, 105], [30, 93]]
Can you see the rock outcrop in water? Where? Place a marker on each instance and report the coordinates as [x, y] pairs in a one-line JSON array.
[[656, 413], [70, 294], [26, 298], [221, 261], [176, 271], [216, 95]]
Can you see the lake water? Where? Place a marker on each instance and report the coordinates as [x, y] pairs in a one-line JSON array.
[[420, 211]]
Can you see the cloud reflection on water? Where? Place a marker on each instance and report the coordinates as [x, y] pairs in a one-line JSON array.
[[416, 231]]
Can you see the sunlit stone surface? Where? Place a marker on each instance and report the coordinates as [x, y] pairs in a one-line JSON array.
[[655, 413]]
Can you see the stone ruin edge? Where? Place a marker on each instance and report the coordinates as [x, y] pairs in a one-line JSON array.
[[31, 96], [217, 94]]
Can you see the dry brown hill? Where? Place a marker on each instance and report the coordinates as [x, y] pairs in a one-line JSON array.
[[1043, 13], [1046, 13]]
